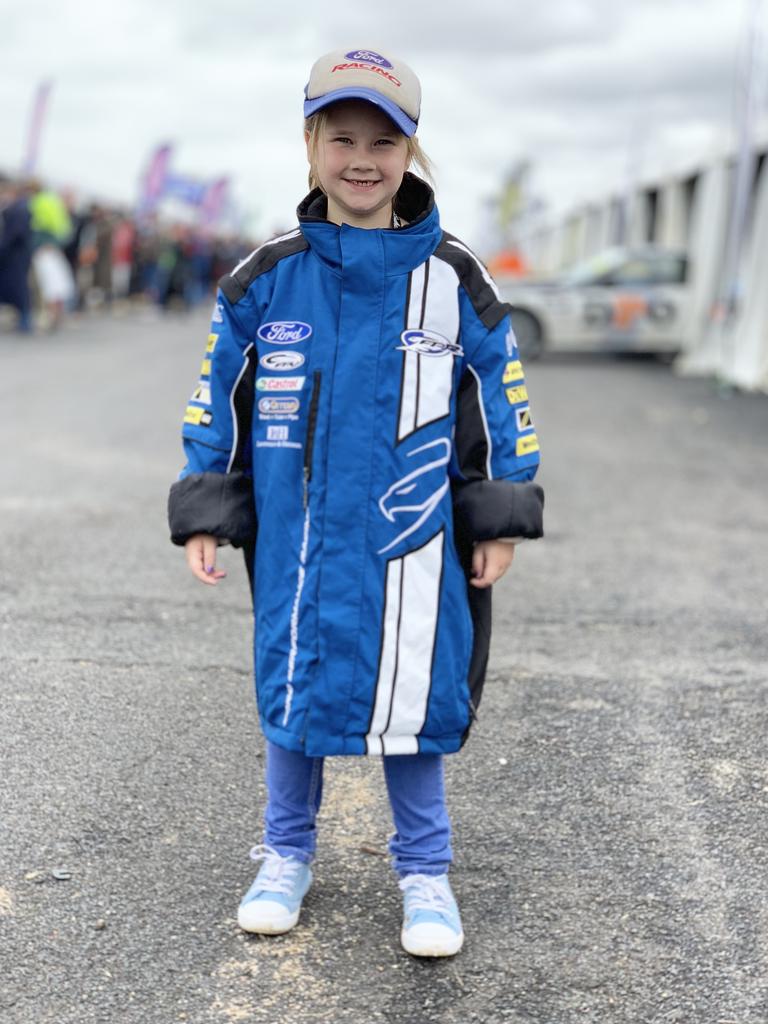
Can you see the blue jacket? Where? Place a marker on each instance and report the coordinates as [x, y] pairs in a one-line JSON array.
[[360, 419]]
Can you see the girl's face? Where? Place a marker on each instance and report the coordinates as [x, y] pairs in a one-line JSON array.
[[359, 159]]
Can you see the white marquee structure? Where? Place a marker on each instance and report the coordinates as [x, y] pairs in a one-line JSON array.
[[691, 211]]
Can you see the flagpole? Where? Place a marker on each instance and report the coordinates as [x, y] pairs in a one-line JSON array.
[[35, 127]]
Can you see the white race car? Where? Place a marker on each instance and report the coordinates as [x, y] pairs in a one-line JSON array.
[[622, 300]]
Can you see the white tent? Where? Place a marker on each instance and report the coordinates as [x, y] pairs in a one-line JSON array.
[[672, 227], [574, 237], [745, 348], [639, 217], [702, 338], [597, 228], [692, 212]]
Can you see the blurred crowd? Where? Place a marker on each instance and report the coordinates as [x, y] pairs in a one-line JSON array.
[[58, 258]]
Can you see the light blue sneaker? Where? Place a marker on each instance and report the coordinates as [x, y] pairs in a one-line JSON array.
[[431, 922], [272, 904]]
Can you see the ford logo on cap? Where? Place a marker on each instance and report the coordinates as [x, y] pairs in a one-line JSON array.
[[369, 57]]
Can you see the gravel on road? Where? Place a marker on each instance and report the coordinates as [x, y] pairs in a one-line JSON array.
[[610, 807]]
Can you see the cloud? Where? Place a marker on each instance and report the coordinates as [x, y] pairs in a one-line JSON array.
[[454, 31], [566, 83]]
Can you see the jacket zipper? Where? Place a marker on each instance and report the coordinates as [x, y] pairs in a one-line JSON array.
[[314, 402], [309, 444]]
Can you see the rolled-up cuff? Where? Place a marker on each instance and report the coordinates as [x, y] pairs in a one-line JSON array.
[[495, 509], [217, 503]]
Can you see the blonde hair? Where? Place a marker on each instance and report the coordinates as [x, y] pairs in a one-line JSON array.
[[315, 124]]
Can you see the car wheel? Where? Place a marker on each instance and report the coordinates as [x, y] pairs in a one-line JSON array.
[[528, 334]]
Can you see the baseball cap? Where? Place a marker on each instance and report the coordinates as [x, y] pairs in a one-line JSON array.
[[365, 75]]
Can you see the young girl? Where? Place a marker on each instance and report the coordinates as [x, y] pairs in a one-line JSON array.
[[361, 428]]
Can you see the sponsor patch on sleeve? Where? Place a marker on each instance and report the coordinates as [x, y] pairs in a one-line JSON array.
[[523, 416], [527, 445], [512, 371], [198, 416], [205, 368], [202, 392], [517, 394], [212, 339]]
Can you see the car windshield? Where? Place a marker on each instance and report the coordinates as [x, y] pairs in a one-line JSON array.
[[594, 268], [628, 267]]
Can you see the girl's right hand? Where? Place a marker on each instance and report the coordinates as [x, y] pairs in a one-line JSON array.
[[200, 550]]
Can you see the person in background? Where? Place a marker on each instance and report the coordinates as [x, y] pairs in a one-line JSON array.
[[15, 252], [73, 246], [103, 283], [123, 242], [51, 229], [201, 262]]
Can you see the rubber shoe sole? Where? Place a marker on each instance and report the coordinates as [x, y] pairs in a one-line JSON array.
[[263, 917], [428, 940]]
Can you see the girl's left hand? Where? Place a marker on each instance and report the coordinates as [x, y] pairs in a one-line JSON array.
[[490, 560]]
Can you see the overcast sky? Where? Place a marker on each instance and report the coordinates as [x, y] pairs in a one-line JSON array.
[[568, 84]]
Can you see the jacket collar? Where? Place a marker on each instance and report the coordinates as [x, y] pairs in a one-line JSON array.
[[404, 248]]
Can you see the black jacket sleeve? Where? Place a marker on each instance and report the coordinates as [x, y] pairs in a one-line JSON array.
[[217, 503]]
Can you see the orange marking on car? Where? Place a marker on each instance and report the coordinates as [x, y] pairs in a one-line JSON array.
[[627, 309]]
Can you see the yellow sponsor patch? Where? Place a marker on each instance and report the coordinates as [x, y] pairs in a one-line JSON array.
[[205, 368], [512, 371], [193, 415], [518, 394], [526, 445], [212, 339]]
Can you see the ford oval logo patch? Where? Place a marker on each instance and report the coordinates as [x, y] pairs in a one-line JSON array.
[[369, 57], [428, 343], [284, 332], [282, 360]]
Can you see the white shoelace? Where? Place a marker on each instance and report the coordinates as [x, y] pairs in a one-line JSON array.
[[426, 893], [277, 874]]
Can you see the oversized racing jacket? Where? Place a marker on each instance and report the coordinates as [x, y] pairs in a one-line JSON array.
[[360, 419]]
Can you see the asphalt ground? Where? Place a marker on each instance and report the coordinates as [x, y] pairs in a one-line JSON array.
[[610, 807]]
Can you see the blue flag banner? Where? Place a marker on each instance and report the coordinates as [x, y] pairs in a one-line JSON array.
[[209, 198]]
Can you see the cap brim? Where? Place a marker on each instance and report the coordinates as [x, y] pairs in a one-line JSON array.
[[406, 125]]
